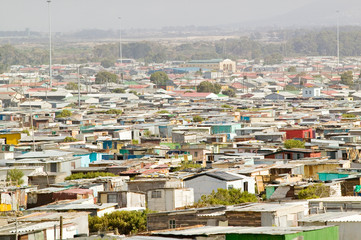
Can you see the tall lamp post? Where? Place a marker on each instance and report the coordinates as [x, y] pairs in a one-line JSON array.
[[79, 66], [50, 48], [338, 38]]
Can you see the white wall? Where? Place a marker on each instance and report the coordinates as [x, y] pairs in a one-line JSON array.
[[204, 185], [239, 184], [135, 199], [311, 92], [170, 199], [183, 197], [100, 213], [123, 135], [68, 232]]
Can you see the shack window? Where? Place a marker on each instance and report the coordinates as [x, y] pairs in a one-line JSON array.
[[112, 198], [245, 186], [172, 223], [156, 194]]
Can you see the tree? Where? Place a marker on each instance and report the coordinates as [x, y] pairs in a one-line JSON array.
[[106, 63], [292, 143], [291, 69], [275, 58], [118, 90], [159, 78], [229, 92], [105, 77], [206, 86], [319, 190], [217, 88], [226, 197], [15, 176], [134, 92], [64, 114], [347, 78], [71, 86], [125, 222], [198, 119]]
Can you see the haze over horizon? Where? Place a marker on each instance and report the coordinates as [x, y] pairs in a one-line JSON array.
[[70, 15]]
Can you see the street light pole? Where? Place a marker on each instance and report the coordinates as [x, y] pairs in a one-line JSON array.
[[79, 86], [50, 48], [338, 38]]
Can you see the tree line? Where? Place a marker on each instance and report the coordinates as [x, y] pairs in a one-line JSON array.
[[279, 44]]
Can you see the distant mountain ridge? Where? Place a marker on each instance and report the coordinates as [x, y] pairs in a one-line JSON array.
[[317, 14]]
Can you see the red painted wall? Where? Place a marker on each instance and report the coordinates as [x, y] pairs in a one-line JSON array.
[[298, 133]]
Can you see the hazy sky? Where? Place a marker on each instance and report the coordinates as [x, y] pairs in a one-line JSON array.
[[71, 15]]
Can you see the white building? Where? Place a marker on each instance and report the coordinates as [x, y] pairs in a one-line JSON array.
[[205, 183], [168, 199], [311, 92]]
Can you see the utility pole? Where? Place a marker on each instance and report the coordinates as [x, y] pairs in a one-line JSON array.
[[61, 227], [50, 51], [338, 38], [16, 229], [79, 86], [32, 121]]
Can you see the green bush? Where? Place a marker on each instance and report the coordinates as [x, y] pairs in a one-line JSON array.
[[64, 114], [113, 111], [118, 90], [348, 115], [292, 143], [126, 222], [70, 139], [15, 176], [226, 197], [186, 165], [26, 131], [198, 119], [162, 112], [226, 106], [319, 190], [89, 175]]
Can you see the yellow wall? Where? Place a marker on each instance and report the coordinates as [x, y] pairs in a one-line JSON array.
[[5, 207], [11, 138], [310, 171]]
